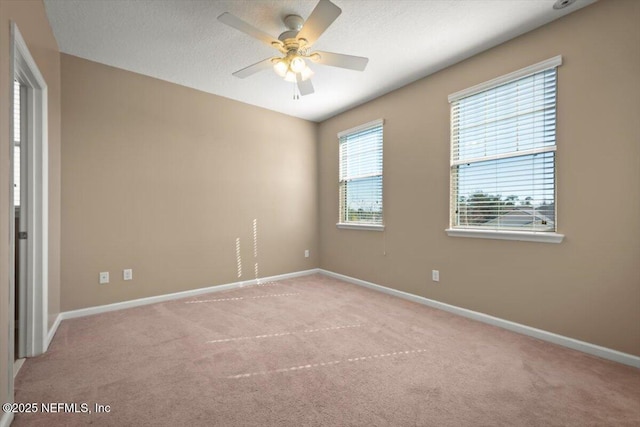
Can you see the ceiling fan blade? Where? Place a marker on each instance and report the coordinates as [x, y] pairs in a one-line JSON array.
[[304, 86], [252, 69], [351, 62], [322, 16], [245, 27]]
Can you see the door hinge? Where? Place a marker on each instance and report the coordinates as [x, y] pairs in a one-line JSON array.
[[22, 235]]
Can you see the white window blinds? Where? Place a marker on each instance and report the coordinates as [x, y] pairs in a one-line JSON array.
[[503, 143], [16, 143], [361, 174]]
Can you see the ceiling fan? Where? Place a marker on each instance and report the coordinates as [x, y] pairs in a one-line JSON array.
[[295, 46]]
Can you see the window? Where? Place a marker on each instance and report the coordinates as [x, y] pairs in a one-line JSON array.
[[503, 147], [16, 143], [361, 177]]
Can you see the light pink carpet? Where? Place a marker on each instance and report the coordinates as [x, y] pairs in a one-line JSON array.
[[315, 351]]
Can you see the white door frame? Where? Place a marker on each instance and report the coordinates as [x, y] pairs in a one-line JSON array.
[[24, 68]]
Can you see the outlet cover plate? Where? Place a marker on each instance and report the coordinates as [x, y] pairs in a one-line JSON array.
[[104, 277]]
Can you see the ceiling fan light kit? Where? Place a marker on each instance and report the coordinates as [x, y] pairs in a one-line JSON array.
[[295, 44], [291, 65]]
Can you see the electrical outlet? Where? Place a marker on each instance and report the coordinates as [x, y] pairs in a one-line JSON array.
[[104, 277], [127, 274], [306, 253], [435, 275]]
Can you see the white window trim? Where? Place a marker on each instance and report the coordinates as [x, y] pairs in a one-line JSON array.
[[355, 225], [527, 236]]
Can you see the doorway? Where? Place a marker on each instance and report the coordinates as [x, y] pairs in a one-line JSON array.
[[28, 208]]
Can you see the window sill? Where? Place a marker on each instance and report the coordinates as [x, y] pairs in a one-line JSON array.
[[531, 236], [370, 227]]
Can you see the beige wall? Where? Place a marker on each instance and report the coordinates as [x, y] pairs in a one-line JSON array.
[[587, 287], [32, 21], [163, 179]]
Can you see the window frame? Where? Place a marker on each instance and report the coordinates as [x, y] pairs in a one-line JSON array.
[[360, 225], [501, 234]]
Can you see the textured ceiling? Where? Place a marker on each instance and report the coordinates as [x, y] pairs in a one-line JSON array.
[[181, 41]]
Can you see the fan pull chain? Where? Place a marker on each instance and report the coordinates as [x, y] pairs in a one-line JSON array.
[[296, 94]]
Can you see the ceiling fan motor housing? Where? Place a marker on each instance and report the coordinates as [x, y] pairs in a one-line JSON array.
[[294, 24]]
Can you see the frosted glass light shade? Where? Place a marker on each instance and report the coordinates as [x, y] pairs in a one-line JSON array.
[[281, 68], [297, 64], [306, 73], [290, 77]]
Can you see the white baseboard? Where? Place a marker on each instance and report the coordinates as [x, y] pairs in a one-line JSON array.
[[177, 295], [52, 331], [17, 364], [6, 419], [585, 347]]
